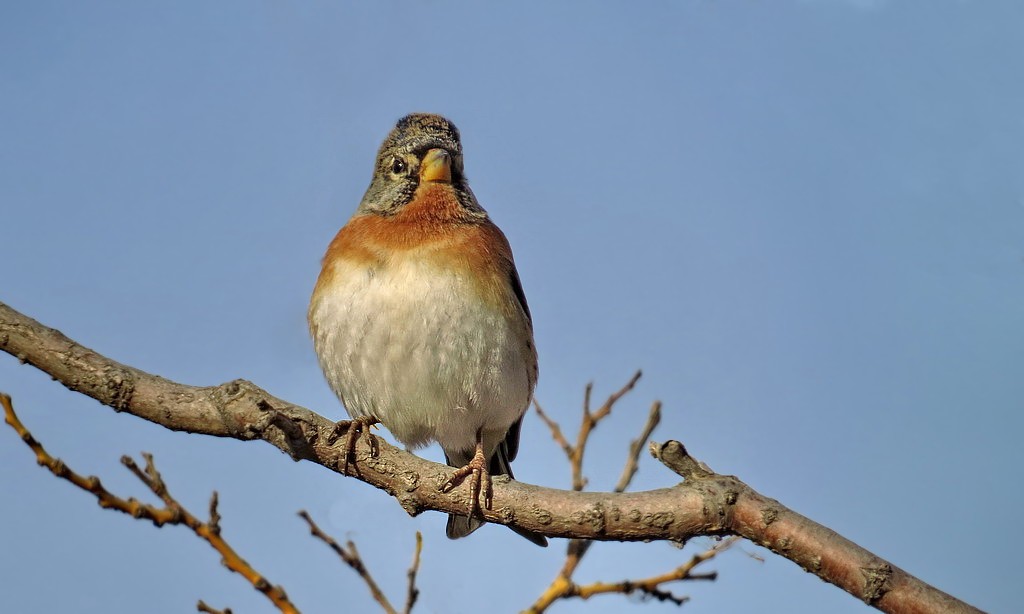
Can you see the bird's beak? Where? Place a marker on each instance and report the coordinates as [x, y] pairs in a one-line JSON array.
[[436, 166]]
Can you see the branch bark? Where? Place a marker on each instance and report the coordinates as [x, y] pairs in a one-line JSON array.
[[705, 503]]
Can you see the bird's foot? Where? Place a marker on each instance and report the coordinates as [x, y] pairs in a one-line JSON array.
[[352, 429], [481, 480]]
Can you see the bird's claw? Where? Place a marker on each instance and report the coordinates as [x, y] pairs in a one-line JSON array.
[[352, 430], [481, 481]]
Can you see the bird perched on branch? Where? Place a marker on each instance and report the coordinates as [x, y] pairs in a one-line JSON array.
[[419, 319]]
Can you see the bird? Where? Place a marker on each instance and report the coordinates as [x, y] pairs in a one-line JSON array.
[[418, 316]]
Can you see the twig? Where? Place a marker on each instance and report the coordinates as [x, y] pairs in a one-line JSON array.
[[563, 587], [172, 512], [412, 593], [590, 420], [202, 607], [349, 554], [652, 587], [556, 431], [637, 445]]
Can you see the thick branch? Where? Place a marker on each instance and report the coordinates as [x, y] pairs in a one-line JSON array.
[[708, 504]]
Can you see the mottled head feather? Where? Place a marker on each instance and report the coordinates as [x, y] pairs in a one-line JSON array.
[[418, 132], [411, 138]]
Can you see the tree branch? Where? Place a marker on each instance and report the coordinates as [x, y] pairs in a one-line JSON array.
[[704, 504]]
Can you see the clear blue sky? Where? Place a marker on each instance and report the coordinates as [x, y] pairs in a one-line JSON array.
[[804, 220]]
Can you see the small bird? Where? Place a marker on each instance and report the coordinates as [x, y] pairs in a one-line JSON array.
[[419, 319]]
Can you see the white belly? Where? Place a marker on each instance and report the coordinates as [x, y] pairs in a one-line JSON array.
[[413, 346]]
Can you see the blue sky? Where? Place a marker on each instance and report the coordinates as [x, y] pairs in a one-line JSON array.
[[803, 220]]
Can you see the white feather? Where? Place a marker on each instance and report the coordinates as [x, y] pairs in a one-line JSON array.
[[413, 345]]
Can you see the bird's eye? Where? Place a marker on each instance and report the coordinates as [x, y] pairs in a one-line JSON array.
[[397, 166]]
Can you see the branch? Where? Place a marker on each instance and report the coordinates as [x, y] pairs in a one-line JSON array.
[[709, 504], [172, 512]]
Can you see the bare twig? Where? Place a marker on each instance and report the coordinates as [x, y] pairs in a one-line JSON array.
[[556, 431], [202, 607], [349, 554], [590, 420], [637, 445], [650, 587], [412, 593], [172, 512]]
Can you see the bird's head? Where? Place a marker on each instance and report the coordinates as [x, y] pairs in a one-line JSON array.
[[421, 150]]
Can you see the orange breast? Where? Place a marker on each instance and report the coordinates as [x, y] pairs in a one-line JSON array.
[[432, 228]]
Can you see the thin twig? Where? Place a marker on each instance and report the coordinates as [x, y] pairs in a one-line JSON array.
[[172, 512], [574, 453], [556, 431], [202, 607], [638, 445], [589, 422], [653, 587], [349, 554], [587, 390], [412, 593]]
